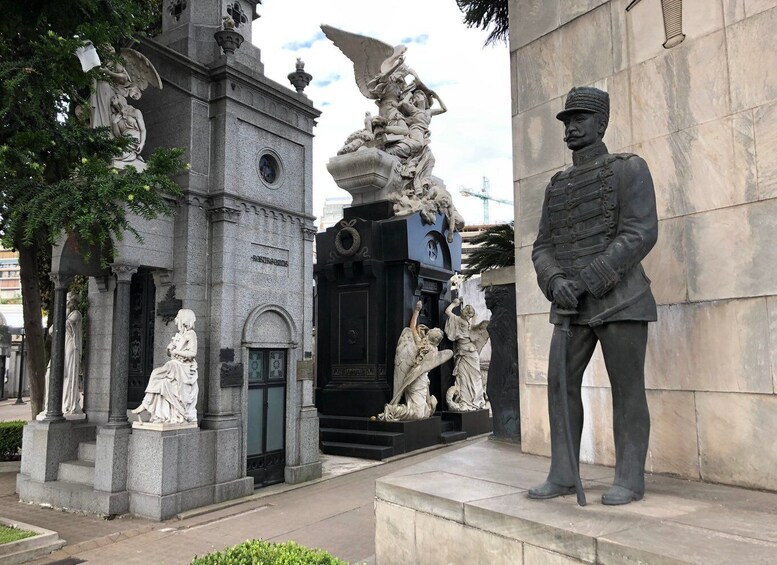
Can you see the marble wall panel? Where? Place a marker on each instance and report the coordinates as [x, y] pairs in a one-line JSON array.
[[765, 126], [665, 264], [701, 85], [538, 72], [752, 60], [530, 299], [673, 441], [586, 56], [530, 19], [532, 196], [731, 252], [710, 346], [534, 333], [652, 89], [701, 17], [571, 9], [645, 29], [733, 11], [394, 534], [618, 134], [596, 445], [753, 7], [736, 438], [534, 554], [442, 542], [537, 140], [620, 34], [513, 82], [771, 306], [535, 427], [702, 168]]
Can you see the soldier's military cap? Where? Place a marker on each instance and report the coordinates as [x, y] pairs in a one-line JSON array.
[[586, 99]]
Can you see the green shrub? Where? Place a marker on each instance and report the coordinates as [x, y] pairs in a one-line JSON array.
[[11, 439], [258, 552]]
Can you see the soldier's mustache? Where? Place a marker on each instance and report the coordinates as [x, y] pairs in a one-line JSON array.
[[570, 137]]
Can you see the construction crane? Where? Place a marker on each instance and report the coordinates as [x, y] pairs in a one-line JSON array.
[[484, 196]]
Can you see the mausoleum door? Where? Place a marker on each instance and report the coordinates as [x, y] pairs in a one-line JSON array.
[[266, 451], [141, 335]]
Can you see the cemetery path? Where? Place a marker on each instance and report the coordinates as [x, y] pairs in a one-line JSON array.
[[336, 514]]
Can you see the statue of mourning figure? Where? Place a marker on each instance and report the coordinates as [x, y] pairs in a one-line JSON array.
[[406, 107], [109, 107], [416, 355], [71, 391], [172, 390], [467, 393]]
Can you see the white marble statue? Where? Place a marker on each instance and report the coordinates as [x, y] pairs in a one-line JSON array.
[[171, 394], [71, 393], [415, 356], [467, 393], [406, 107], [108, 102]]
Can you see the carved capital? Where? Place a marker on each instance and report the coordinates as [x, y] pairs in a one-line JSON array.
[[61, 281], [308, 232], [224, 214], [123, 272]]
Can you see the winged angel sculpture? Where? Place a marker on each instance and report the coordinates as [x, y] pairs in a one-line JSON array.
[[415, 356], [467, 392], [108, 101], [406, 107]]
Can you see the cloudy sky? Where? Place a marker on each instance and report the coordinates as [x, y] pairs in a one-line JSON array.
[[470, 141]]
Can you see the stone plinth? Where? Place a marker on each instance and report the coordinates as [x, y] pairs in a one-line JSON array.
[[369, 175], [175, 470], [470, 506], [474, 423]]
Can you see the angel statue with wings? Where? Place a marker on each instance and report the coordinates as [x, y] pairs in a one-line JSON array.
[[416, 355], [108, 106], [467, 393], [406, 107]]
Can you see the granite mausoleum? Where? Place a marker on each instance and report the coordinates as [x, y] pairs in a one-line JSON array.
[[238, 254]]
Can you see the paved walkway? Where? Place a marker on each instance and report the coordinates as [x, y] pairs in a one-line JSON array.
[[9, 410], [335, 514]]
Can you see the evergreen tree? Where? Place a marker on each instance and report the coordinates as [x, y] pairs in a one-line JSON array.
[[55, 171], [487, 13]]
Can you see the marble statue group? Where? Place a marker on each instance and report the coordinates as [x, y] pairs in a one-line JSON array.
[[109, 107], [417, 353], [406, 107]]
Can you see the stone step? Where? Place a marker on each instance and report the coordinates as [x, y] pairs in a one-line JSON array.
[[344, 422], [77, 471], [376, 452], [87, 450], [452, 436], [73, 496], [368, 437]]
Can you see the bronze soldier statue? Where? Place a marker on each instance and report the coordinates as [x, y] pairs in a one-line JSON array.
[[598, 222]]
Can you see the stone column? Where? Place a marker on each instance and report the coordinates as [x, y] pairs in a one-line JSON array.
[[117, 415], [219, 412], [57, 371]]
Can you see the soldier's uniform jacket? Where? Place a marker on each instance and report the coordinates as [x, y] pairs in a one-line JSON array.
[[598, 222]]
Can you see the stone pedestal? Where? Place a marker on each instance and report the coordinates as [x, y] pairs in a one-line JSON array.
[[474, 423], [370, 175], [178, 469], [372, 269]]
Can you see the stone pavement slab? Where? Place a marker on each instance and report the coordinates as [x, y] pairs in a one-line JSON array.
[[336, 515]]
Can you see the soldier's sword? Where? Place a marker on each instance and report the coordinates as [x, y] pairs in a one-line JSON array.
[[566, 316]]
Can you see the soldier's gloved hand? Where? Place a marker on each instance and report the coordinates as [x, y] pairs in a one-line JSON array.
[[566, 293]]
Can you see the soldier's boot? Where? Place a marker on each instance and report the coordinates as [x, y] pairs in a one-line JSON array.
[[549, 489]]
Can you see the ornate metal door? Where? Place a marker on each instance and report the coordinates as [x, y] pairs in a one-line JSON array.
[[141, 335], [266, 451]]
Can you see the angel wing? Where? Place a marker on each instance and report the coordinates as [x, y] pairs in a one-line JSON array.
[[367, 54], [140, 70], [478, 333]]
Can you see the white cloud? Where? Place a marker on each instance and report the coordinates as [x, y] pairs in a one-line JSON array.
[[472, 140]]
